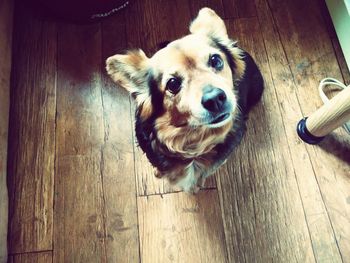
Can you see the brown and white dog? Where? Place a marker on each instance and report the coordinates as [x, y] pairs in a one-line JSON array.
[[192, 97]]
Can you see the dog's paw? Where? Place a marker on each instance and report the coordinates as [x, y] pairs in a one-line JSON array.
[[201, 181], [188, 184], [157, 173], [194, 189]]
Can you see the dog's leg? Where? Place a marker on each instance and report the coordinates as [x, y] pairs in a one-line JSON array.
[[189, 182]]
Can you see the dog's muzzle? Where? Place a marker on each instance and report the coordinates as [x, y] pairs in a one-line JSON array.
[[214, 99]]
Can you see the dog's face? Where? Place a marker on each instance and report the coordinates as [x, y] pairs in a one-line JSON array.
[[195, 82], [190, 82]]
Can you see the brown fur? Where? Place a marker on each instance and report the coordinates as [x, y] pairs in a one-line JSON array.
[[187, 142], [181, 127]]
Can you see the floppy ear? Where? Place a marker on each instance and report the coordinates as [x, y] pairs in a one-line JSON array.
[[208, 22], [131, 72]]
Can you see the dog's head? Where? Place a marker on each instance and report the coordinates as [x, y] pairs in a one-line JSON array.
[[187, 85]]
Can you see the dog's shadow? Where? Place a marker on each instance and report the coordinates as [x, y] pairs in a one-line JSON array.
[[337, 144]]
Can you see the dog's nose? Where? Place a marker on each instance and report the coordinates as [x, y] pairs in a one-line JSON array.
[[213, 99]]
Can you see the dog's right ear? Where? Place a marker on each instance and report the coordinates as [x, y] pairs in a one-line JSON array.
[[209, 23], [131, 72]]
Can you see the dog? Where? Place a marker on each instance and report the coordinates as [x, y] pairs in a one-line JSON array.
[[192, 97]]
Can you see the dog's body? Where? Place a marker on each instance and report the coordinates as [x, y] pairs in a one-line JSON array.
[[193, 97]]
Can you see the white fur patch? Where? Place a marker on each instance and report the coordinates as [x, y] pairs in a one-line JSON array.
[[188, 183]]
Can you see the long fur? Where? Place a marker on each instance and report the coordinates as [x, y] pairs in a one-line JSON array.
[[170, 128], [249, 90]]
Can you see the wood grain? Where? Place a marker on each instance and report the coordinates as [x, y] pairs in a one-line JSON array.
[[261, 205], [40, 257], [31, 151], [150, 22], [216, 5], [6, 19], [79, 223], [311, 58], [118, 173], [319, 224], [80, 231], [181, 228], [238, 9]]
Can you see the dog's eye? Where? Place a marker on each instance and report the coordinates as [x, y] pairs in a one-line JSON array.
[[173, 85], [216, 62]]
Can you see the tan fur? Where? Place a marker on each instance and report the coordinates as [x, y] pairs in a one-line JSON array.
[[208, 23], [189, 142], [146, 109]]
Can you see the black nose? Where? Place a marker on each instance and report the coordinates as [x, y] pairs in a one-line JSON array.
[[213, 99]]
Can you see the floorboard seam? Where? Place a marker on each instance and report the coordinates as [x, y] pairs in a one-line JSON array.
[[176, 192], [104, 210], [56, 153], [31, 252]]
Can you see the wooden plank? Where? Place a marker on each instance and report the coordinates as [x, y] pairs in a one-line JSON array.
[[320, 227], [6, 19], [260, 200], [32, 134], [181, 228], [79, 232], [216, 5], [122, 244], [147, 25], [311, 58], [39, 257], [238, 9], [152, 22]]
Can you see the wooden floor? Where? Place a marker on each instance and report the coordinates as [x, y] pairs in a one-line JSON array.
[[82, 191]]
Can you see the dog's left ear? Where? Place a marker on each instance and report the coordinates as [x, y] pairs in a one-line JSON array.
[[209, 23], [131, 70]]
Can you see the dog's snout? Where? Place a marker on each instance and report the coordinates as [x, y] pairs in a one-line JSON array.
[[213, 99]]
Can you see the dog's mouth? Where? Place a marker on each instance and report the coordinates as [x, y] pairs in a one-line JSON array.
[[220, 118]]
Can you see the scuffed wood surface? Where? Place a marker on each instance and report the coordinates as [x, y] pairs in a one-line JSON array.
[[118, 173], [325, 245], [6, 18], [311, 58], [178, 227], [261, 205], [79, 207], [40, 257], [31, 152]]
